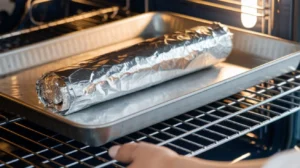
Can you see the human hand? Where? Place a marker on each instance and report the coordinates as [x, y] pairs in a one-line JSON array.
[[144, 155]]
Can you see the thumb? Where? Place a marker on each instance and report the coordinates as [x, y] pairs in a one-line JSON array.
[[124, 153]]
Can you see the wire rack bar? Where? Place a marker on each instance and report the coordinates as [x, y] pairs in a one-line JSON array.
[[234, 9], [189, 134], [240, 4]]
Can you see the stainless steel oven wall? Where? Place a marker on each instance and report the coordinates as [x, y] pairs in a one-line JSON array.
[[283, 19], [296, 20], [296, 121]]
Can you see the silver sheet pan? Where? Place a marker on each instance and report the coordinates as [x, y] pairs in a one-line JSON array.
[[255, 58], [137, 67]]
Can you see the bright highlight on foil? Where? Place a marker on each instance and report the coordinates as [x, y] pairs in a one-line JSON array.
[[248, 20]]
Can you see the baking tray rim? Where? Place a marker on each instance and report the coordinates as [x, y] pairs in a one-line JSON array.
[[230, 27], [62, 119], [79, 125]]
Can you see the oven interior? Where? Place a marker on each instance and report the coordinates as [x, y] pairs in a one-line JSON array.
[[17, 149]]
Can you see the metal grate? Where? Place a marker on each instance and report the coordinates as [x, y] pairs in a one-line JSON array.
[[24, 144], [60, 27]]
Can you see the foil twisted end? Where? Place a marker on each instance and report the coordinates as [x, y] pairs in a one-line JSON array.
[[51, 92]]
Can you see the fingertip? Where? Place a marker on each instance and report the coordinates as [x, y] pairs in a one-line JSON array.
[[113, 151]]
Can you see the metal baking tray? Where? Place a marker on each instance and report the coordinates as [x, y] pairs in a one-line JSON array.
[[255, 58]]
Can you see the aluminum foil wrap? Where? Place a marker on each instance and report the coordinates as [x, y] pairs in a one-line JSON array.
[[134, 68]]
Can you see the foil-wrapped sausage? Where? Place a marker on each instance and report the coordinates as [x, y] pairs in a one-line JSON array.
[[134, 68]]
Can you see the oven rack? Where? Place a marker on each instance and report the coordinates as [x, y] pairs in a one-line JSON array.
[[113, 9], [264, 10], [24, 144], [57, 28], [55, 40]]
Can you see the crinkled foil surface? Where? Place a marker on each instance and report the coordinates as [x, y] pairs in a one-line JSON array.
[[134, 68]]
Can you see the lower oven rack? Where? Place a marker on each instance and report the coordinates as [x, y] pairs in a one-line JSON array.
[[23, 144]]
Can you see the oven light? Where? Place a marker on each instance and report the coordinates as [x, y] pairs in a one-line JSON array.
[[248, 20], [251, 135]]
